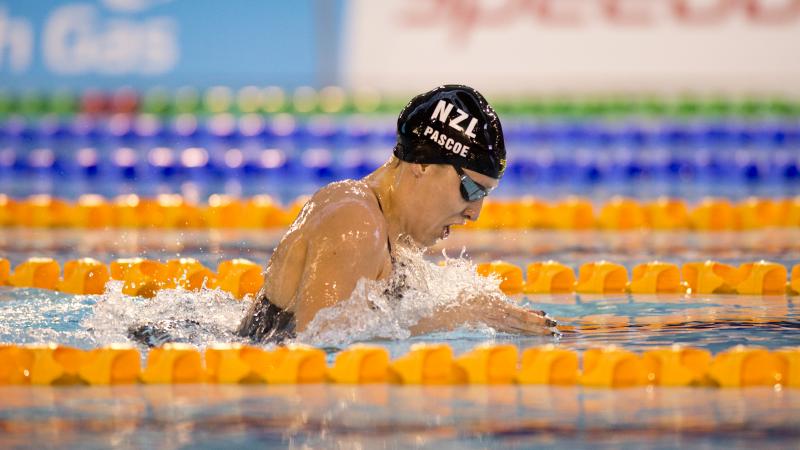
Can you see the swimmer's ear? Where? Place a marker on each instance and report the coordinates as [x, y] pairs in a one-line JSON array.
[[419, 169]]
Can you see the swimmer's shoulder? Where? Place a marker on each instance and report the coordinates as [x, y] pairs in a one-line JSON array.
[[350, 207]]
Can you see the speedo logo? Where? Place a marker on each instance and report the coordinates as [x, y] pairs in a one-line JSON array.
[[442, 114]]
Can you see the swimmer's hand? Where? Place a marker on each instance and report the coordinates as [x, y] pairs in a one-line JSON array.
[[494, 312]]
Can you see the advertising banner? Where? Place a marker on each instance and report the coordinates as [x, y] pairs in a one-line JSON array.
[[574, 45], [107, 43]]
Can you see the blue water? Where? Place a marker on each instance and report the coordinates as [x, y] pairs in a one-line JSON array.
[[209, 416], [387, 416], [714, 322]]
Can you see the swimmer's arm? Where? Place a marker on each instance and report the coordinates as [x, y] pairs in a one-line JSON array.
[[345, 248], [492, 311]]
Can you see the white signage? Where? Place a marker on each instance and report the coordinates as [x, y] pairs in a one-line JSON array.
[[574, 45], [85, 39]]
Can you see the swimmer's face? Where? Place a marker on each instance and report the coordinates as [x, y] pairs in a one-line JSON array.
[[441, 204]]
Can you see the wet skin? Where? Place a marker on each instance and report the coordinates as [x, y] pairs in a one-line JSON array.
[[341, 236]]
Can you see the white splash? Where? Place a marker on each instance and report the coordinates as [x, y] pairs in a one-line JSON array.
[[373, 312], [200, 318], [385, 309]]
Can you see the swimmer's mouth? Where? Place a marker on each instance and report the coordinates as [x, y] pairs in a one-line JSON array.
[[446, 229]]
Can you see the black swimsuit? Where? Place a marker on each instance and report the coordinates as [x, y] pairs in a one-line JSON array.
[[397, 286], [268, 323]]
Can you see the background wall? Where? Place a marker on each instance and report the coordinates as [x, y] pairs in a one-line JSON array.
[[395, 45]]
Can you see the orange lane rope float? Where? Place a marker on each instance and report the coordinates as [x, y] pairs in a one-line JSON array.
[[424, 364]]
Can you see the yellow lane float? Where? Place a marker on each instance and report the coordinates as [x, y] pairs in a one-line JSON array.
[[40, 273], [612, 367], [714, 214], [262, 211], [236, 363], [84, 276], [125, 208], [549, 277], [533, 213], [115, 364], [510, 275], [5, 272], [43, 211], [755, 213], [656, 278], [224, 211], [132, 211], [789, 212], [431, 364], [676, 365], [142, 277], [548, 365], [761, 278], [747, 366], [56, 364], [621, 213], [295, 364], [569, 213], [240, 277], [486, 364], [8, 211], [423, 364], [791, 364], [178, 213], [15, 364], [173, 364], [93, 211], [601, 277], [189, 274], [710, 277], [359, 364], [667, 214], [572, 213]]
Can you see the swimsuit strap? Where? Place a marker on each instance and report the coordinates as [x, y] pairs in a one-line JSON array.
[[388, 240]]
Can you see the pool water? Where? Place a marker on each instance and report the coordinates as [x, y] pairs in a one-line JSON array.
[[395, 416], [636, 322], [386, 416]]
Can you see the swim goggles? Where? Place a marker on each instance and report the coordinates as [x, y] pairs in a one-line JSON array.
[[471, 190]]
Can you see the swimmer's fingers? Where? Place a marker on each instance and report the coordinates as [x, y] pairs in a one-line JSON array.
[[525, 321], [536, 318], [548, 321], [504, 316], [545, 319]]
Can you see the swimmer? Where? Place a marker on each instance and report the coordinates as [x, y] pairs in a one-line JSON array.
[[449, 156]]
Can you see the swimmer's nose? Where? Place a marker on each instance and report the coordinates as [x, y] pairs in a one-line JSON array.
[[473, 211]]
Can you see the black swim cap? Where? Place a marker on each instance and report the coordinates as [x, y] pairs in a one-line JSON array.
[[452, 124]]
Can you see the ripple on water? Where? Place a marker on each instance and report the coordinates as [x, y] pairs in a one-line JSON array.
[[375, 314]]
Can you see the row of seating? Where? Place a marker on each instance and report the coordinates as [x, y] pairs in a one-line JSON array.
[[262, 211], [430, 364]]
